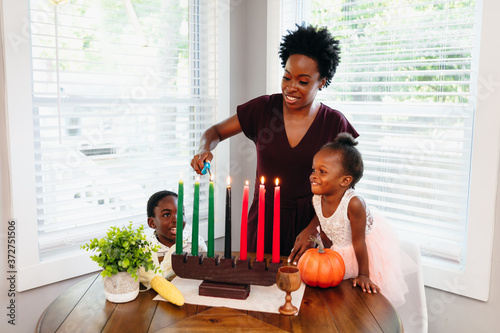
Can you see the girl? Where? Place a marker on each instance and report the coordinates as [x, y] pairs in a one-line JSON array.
[[364, 240]]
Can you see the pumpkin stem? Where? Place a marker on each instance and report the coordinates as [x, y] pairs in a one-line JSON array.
[[321, 248]]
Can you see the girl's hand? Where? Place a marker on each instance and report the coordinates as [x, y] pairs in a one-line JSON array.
[[198, 159], [366, 284]]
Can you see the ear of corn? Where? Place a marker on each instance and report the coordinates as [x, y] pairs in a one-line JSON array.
[[167, 290]]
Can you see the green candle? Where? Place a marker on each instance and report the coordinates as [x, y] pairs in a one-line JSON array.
[[196, 219], [180, 220], [211, 218]]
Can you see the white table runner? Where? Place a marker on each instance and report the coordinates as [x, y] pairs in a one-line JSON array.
[[261, 298]]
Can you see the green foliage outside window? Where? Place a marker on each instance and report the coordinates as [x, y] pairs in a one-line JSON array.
[[400, 51]]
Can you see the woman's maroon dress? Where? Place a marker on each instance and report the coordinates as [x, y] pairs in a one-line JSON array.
[[261, 120]]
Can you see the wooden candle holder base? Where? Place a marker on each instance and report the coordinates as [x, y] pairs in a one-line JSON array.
[[230, 275], [224, 290]]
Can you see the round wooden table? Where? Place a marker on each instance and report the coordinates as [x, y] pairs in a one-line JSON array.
[[84, 308]]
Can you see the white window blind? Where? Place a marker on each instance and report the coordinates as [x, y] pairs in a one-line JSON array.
[[407, 81], [122, 91]]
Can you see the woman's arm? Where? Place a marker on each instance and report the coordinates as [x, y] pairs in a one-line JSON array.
[[356, 212], [327, 242], [211, 138]]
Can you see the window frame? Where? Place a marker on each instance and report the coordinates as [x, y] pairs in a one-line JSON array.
[[474, 279], [31, 271]]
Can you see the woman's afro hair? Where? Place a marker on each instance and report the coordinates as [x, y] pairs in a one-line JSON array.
[[352, 161], [315, 43]]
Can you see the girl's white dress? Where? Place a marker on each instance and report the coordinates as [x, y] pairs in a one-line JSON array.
[[384, 254]]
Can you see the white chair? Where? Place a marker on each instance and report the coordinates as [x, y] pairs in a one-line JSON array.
[[413, 313]]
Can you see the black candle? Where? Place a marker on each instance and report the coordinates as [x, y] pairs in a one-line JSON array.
[[227, 238]]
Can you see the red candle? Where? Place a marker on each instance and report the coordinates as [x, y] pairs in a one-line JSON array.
[[244, 223], [276, 224], [261, 221]]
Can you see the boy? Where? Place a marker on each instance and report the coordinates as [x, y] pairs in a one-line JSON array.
[[162, 217]]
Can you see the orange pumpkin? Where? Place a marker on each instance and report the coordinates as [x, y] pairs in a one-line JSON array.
[[321, 267]]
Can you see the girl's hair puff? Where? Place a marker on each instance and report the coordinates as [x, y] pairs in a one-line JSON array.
[[352, 162], [315, 43]]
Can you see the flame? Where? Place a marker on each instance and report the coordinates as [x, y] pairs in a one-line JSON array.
[[246, 183], [277, 181], [58, 2], [262, 180], [228, 180]]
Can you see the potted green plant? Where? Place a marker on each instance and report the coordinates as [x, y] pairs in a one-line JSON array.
[[121, 253]]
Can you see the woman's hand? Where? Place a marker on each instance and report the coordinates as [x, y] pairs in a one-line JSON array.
[[211, 138], [303, 241], [366, 284], [199, 159]]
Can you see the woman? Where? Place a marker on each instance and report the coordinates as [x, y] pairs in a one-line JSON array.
[[287, 129]]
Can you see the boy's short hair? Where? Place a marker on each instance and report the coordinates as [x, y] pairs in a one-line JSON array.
[[155, 198]]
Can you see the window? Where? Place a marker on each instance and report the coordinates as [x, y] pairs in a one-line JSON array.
[[408, 81], [120, 93]]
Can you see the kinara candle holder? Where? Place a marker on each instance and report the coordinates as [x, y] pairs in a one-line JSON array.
[[225, 277]]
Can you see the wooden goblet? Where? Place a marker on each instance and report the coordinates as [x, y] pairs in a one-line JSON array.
[[288, 280]]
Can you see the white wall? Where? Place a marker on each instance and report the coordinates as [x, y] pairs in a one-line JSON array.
[[248, 80], [447, 312]]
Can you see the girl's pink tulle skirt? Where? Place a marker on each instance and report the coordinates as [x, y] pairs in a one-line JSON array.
[[384, 257]]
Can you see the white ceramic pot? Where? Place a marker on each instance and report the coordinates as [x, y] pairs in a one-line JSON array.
[[121, 287]]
